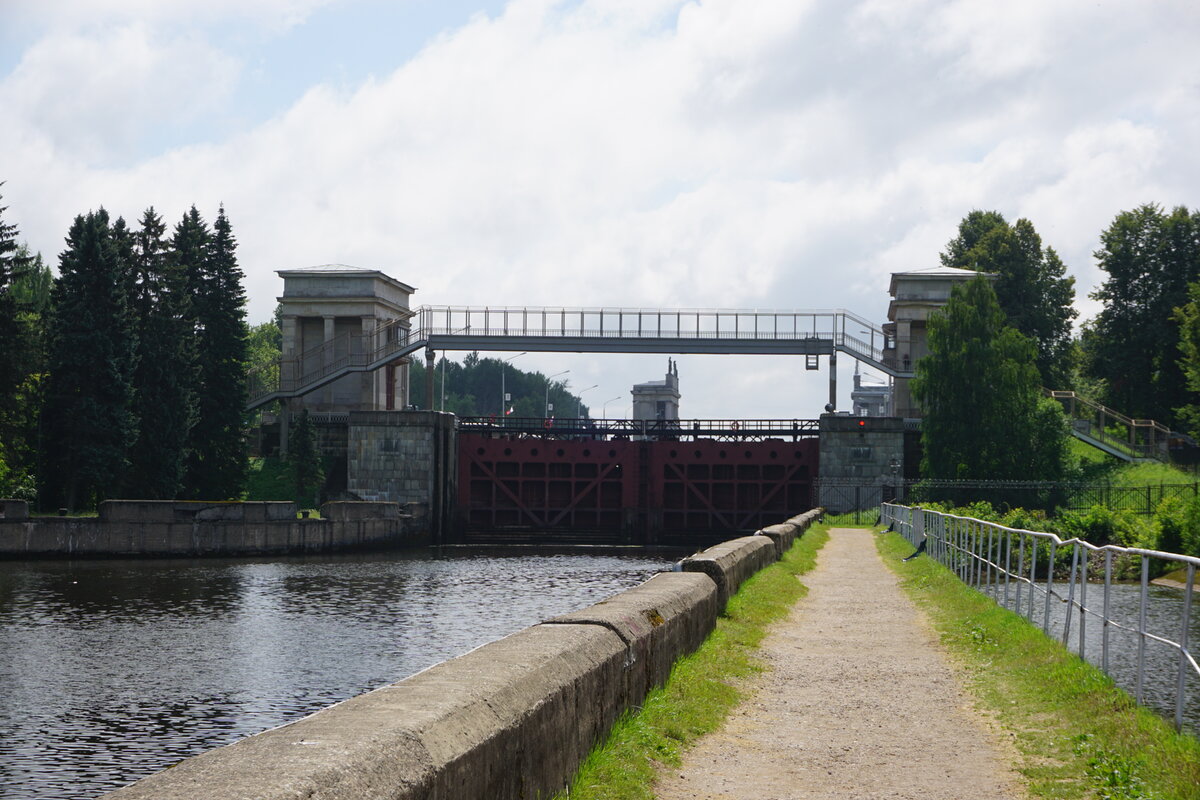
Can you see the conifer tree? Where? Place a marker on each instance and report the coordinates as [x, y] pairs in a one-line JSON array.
[[88, 419], [217, 456], [984, 417], [304, 461], [13, 264], [165, 377]]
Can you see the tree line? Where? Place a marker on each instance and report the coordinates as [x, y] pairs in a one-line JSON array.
[[999, 341], [126, 374], [475, 388]]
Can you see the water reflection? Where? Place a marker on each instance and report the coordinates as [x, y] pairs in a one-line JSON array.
[[113, 670]]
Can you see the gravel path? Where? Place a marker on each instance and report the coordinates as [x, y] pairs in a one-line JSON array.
[[857, 702]]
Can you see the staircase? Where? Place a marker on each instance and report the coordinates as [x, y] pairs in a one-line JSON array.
[[1114, 433]]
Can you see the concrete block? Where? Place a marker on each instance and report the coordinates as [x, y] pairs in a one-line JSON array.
[[730, 563], [359, 510], [137, 510], [783, 535], [14, 510], [659, 621], [512, 719]]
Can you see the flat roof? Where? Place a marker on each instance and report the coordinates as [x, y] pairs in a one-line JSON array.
[[344, 271], [936, 273]]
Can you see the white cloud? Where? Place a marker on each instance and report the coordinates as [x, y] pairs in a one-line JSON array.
[[771, 155], [79, 14], [95, 96]]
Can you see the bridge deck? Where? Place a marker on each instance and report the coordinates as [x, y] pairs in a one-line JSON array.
[[581, 330]]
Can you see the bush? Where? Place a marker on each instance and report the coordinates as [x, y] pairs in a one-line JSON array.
[[1170, 518], [1100, 526]]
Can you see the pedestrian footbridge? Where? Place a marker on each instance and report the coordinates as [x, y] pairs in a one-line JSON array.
[[810, 334]]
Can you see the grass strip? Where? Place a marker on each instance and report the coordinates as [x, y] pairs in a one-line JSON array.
[[1077, 733], [702, 687]]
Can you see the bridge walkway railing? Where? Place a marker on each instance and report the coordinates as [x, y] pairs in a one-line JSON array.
[[1124, 437], [562, 329]]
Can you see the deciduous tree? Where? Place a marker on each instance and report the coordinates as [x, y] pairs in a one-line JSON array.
[[1032, 286], [1151, 258]]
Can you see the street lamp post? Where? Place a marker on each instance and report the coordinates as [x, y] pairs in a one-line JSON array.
[[503, 393], [579, 400], [604, 409], [443, 408], [555, 375]]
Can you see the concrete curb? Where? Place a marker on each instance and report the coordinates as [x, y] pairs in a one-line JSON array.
[[511, 719], [730, 563], [666, 617], [784, 535]]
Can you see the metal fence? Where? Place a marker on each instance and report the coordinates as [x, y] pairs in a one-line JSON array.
[[863, 493], [1017, 569]]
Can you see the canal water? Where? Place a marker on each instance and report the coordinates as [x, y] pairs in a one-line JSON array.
[[113, 670]]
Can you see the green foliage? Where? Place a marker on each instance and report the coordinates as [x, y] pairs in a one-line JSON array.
[[475, 388], [1151, 258], [88, 419], [979, 390], [24, 296], [1101, 526], [166, 368], [304, 463], [1170, 518], [216, 466], [1188, 318], [1032, 287], [269, 479]]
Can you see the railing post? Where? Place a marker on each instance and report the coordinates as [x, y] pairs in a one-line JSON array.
[[1105, 624], [1033, 548], [1049, 588], [1071, 595], [1141, 655], [1020, 571], [1083, 604], [1181, 682]]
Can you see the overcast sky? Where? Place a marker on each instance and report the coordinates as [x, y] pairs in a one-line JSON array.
[[638, 153]]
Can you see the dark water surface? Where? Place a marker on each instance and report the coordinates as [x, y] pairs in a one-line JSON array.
[[112, 670]]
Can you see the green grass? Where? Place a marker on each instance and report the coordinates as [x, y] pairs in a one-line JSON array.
[[1150, 473], [1078, 735], [268, 479], [702, 688], [1084, 452]]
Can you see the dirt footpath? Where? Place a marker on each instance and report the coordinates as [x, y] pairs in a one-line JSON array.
[[857, 702]]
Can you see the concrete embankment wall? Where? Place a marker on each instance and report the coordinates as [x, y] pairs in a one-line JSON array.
[[144, 528], [512, 719]]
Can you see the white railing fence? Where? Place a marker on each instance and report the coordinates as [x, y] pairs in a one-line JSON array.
[[1016, 568]]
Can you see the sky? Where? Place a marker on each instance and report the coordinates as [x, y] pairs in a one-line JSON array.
[[774, 154]]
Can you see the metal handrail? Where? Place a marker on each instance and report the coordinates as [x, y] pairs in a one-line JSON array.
[[981, 554], [445, 326], [736, 429], [1144, 438]]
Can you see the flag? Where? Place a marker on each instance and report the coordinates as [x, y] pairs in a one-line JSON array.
[[510, 410]]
